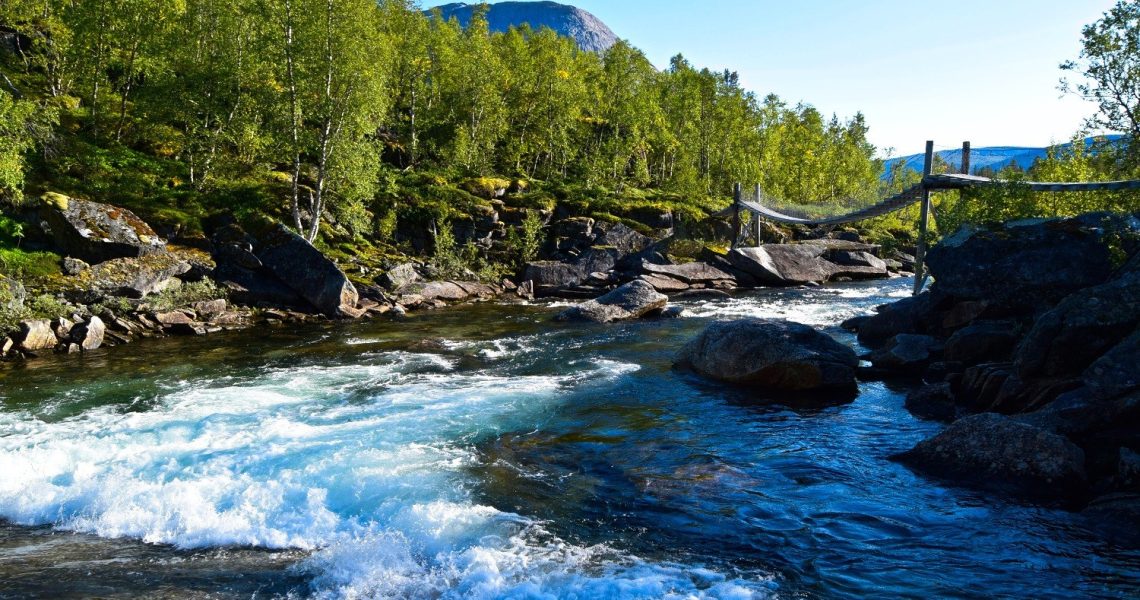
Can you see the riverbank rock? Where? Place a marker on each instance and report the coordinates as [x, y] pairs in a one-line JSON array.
[[89, 335], [12, 293], [907, 353], [35, 335], [631, 301], [783, 264], [694, 273], [96, 232], [310, 273], [399, 276], [779, 356], [135, 277], [992, 450], [1028, 263]]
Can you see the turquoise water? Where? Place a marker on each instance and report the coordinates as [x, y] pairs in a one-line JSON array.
[[486, 452]]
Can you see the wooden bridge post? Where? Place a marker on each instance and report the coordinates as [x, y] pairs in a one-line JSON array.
[[923, 221], [965, 158], [736, 198], [756, 216]]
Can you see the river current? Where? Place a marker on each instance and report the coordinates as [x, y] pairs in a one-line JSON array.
[[487, 452]]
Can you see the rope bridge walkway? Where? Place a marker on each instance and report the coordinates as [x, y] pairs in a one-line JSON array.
[[763, 207]]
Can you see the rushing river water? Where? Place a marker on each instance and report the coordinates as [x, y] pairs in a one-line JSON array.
[[487, 452]]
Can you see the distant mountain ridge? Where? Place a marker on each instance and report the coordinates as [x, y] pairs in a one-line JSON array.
[[994, 157], [589, 31]]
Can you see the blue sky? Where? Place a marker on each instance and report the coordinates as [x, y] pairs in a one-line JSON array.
[[984, 71]]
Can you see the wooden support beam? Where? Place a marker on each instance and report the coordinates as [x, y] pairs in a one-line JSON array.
[[736, 198], [923, 222], [965, 158], [756, 216]]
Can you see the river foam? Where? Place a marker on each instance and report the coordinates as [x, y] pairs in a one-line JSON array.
[[366, 466]]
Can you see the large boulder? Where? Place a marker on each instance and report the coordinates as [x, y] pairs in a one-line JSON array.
[[308, 272], [399, 276], [97, 232], [1117, 371], [1068, 338], [1028, 263], [996, 451], [909, 315], [783, 264], [983, 341], [135, 277], [35, 335], [89, 335], [621, 238], [907, 352], [690, 273], [630, 301], [778, 356]]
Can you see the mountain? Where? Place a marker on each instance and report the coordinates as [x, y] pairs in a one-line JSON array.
[[589, 31], [994, 157]]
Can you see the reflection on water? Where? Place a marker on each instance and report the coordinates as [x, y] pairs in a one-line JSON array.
[[487, 452]]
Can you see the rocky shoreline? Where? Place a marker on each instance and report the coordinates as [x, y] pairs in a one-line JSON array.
[[115, 265]]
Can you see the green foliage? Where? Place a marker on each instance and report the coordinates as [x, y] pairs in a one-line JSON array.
[[28, 266], [186, 294], [524, 242]]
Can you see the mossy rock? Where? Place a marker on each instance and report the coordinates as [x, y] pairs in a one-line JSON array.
[[486, 187], [55, 200]]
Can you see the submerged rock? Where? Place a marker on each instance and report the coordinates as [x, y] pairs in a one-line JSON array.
[[996, 451], [630, 301], [773, 355]]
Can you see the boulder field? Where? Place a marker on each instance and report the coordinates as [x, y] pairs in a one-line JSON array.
[[1028, 342]]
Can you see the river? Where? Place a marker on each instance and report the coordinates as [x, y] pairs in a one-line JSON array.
[[487, 452]]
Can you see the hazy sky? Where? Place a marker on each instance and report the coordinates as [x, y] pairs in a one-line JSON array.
[[978, 70]]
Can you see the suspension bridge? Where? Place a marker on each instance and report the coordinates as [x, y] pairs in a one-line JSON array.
[[763, 208]]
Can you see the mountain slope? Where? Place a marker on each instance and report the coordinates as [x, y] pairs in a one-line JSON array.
[[994, 157], [590, 32]]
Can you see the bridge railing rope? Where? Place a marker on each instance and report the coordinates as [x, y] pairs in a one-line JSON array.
[[766, 208]]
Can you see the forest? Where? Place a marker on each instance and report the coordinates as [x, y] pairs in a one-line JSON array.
[[352, 120]]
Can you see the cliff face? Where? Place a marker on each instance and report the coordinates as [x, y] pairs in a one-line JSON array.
[[590, 32]]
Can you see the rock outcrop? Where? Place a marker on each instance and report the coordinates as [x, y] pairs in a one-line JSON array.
[[96, 232], [773, 356], [633, 300], [996, 451], [308, 272]]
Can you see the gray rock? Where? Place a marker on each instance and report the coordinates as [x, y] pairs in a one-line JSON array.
[[935, 402], [1067, 339], [983, 341], [1128, 469], [663, 283], [630, 301], [399, 276], [97, 232], [990, 449], [136, 277], [209, 308], [12, 293], [909, 315], [778, 356], [620, 237], [907, 352], [35, 335], [690, 273], [779, 264], [1117, 371], [308, 272], [74, 266], [858, 259], [1033, 263], [89, 335]]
